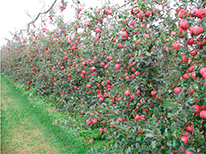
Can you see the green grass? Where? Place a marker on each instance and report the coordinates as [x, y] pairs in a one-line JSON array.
[[46, 122], [27, 126]]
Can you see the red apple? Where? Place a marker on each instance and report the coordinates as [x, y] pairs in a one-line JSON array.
[[198, 30], [91, 140], [190, 69], [193, 52], [190, 128], [138, 92], [137, 117], [184, 139], [94, 121], [117, 66], [185, 59], [93, 68], [200, 13], [184, 24], [191, 41], [88, 24], [124, 34], [69, 41], [185, 76], [120, 120], [139, 132], [182, 13], [132, 23], [147, 14], [202, 70], [203, 114], [112, 123], [127, 92], [197, 108], [177, 90], [101, 130], [176, 46]]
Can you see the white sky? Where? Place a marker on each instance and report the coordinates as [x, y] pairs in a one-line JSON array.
[[13, 13]]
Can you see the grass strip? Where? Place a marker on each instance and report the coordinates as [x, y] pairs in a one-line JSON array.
[[30, 126]]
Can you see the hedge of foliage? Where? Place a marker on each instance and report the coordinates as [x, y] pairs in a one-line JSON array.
[[137, 73]]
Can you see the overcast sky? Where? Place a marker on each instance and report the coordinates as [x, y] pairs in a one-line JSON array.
[[13, 13]]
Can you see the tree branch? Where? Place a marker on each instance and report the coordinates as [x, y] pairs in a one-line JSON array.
[[38, 16]]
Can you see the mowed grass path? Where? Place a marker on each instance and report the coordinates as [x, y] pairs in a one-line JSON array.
[[27, 128]]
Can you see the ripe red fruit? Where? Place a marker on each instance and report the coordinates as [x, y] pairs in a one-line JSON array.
[[88, 24], [203, 114], [204, 75], [198, 149], [84, 72], [139, 132], [185, 59], [101, 130], [147, 14], [136, 73], [182, 13], [190, 69], [112, 123], [109, 58], [62, 67], [191, 41], [141, 15], [137, 117], [94, 121], [185, 76], [132, 22], [93, 68], [190, 128], [101, 99], [120, 120], [97, 30], [197, 108], [198, 30], [184, 24], [200, 13], [177, 90], [117, 66], [183, 150], [99, 96], [123, 34], [193, 52], [184, 139], [97, 38], [89, 85], [157, 10], [120, 46], [138, 42], [105, 129], [145, 35], [127, 92], [138, 92], [69, 41], [91, 140], [202, 70], [176, 46], [191, 91], [153, 93]]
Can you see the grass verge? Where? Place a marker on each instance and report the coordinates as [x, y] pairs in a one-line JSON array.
[[27, 127]]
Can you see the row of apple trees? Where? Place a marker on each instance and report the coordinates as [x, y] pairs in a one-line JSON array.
[[136, 72]]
